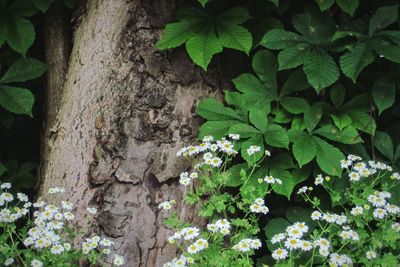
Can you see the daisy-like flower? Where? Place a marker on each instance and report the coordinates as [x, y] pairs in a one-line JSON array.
[[91, 210], [345, 163], [234, 136], [225, 231], [118, 260], [379, 213], [166, 205], [357, 210], [294, 232], [22, 197], [301, 226], [193, 248], [224, 223], [279, 254], [212, 227], [202, 243], [316, 215], [7, 197], [66, 205], [302, 190], [57, 249], [319, 180], [354, 176], [215, 162], [395, 176], [278, 238], [36, 263], [244, 245], [8, 262], [370, 254], [256, 243], [323, 251], [323, 243], [391, 208], [255, 208], [208, 138], [190, 233], [292, 243], [5, 186], [396, 226], [253, 149], [306, 245], [269, 179], [259, 201]]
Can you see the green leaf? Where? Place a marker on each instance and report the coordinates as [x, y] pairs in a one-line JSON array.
[[337, 94], [43, 5], [251, 188], [355, 60], [212, 109], [363, 121], [341, 120], [320, 69], [175, 34], [234, 177], [217, 129], [325, 4], [293, 56], [3, 169], [328, 157], [286, 188], [19, 33], [203, 45], [383, 142], [244, 130], [258, 116], [23, 8], [280, 39], [384, 94], [235, 15], [294, 105], [396, 154], [16, 100], [297, 81], [265, 66], [203, 2], [276, 136], [348, 135], [71, 4], [304, 149], [256, 140], [249, 84], [387, 50], [312, 116], [23, 70], [383, 17], [315, 28], [348, 6], [283, 161], [234, 36], [276, 2]]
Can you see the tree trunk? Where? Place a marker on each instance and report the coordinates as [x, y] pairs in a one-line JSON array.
[[116, 120]]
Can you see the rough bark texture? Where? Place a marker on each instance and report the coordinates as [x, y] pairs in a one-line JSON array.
[[125, 109]]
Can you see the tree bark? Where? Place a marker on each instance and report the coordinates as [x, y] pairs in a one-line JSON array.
[[122, 112]]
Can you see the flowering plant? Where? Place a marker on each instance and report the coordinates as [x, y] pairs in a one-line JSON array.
[[230, 236], [38, 234], [362, 228]]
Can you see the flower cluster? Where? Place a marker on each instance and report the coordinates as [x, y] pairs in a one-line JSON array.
[[222, 226], [246, 244], [46, 233], [166, 205], [259, 206], [186, 178]]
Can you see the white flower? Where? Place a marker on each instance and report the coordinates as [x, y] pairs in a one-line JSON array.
[[91, 210], [224, 223], [165, 205], [215, 162], [292, 243], [253, 149], [294, 232], [118, 260], [69, 216], [208, 138], [269, 179], [255, 208], [357, 210], [319, 180], [396, 226], [234, 136], [244, 245], [7, 197], [36, 263], [212, 227], [395, 176], [194, 175], [279, 254], [67, 246], [5, 186], [202, 243], [370, 254], [185, 181], [379, 213], [66, 205], [193, 249], [391, 208], [225, 231], [259, 201], [324, 251], [190, 233], [267, 153], [306, 245], [345, 163], [57, 249], [106, 242], [278, 238], [22, 197], [323, 243], [354, 176], [302, 190], [256, 243], [8, 262]]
